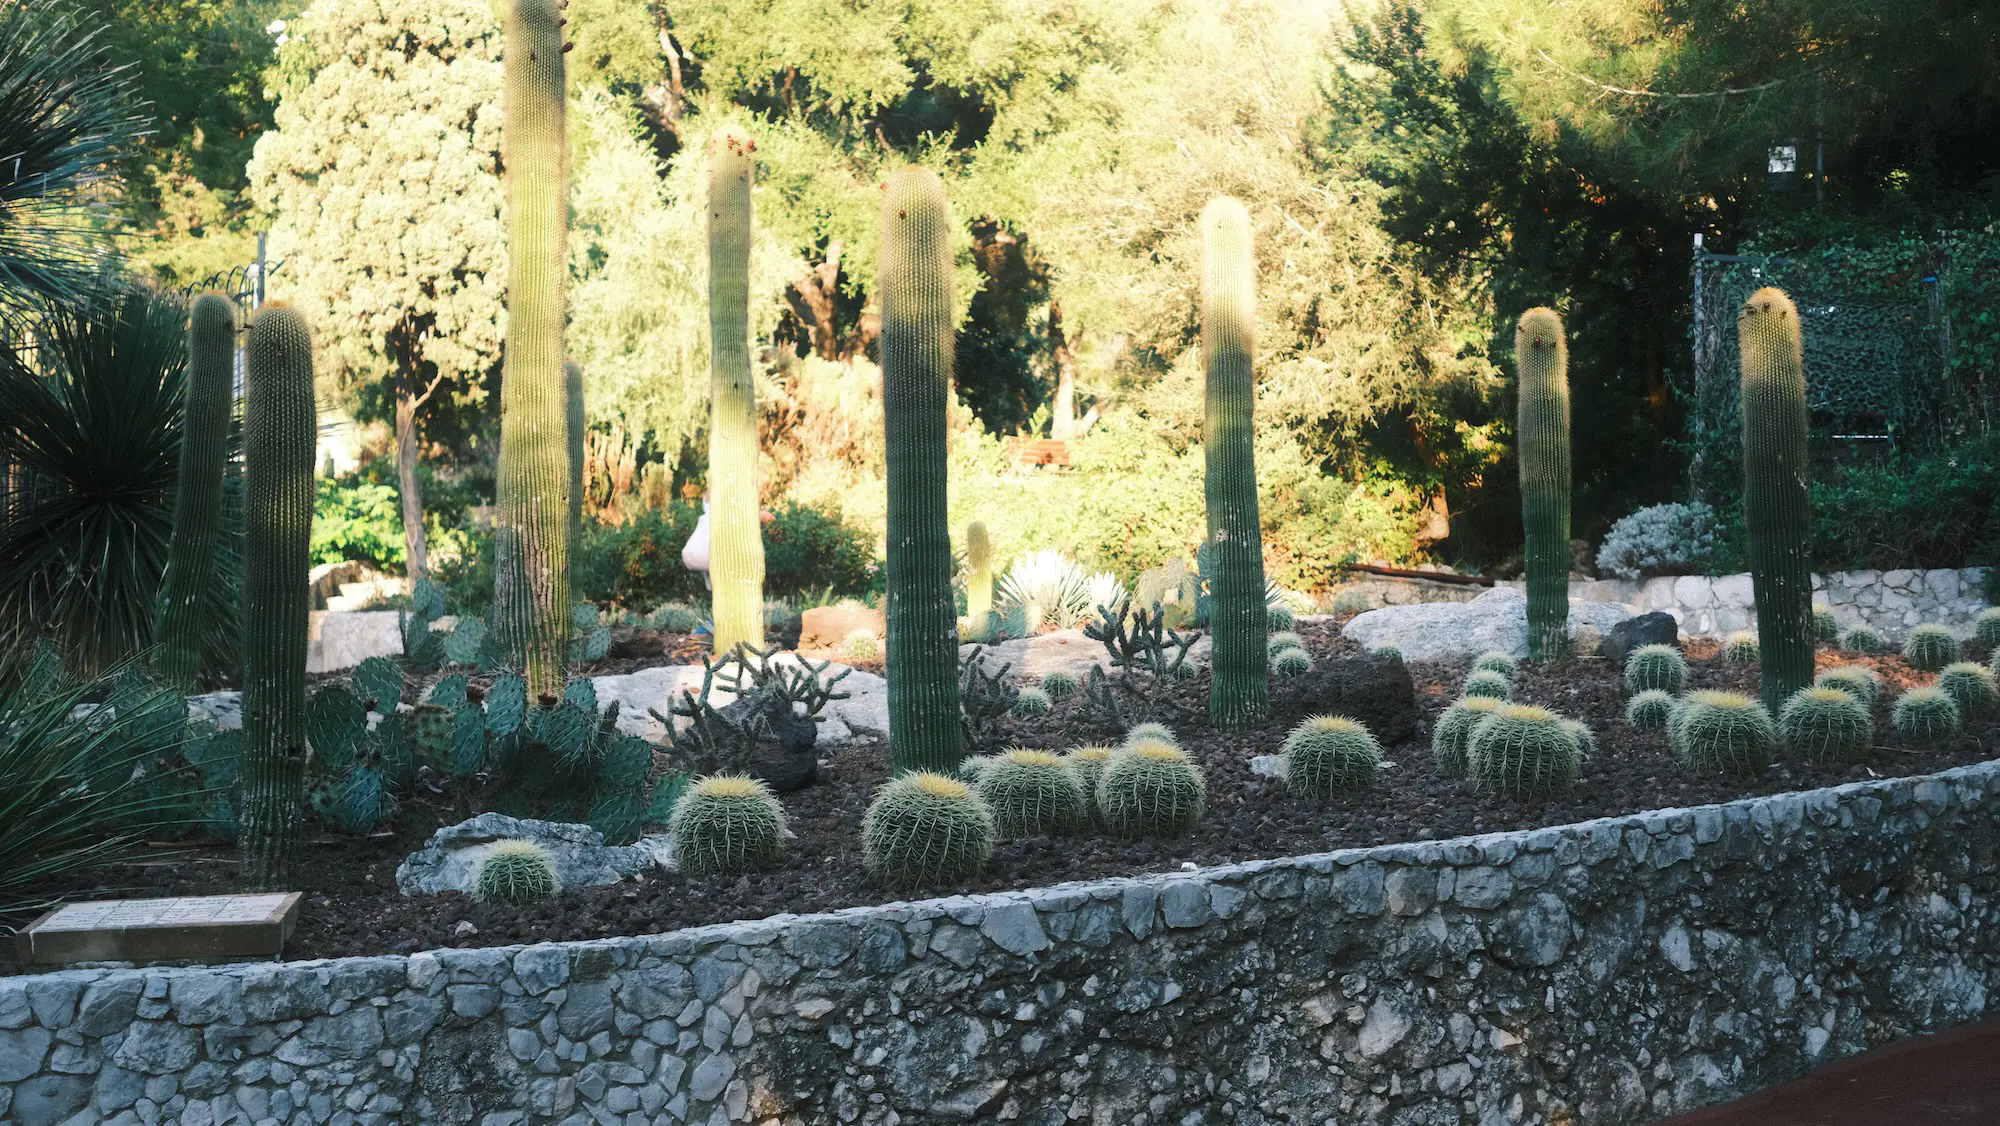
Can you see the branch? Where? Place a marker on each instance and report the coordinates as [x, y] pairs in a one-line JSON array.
[[1725, 92]]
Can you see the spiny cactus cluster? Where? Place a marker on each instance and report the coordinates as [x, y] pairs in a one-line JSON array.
[[1328, 756], [1742, 649], [1033, 793], [1032, 702], [1864, 639], [1525, 752], [1452, 737], [1826, 725], [1151, 790], [1986, 630], [1926, 715], [1088, 764], [516, 873], [1291, 662], [1486, 682], [1930, 648], [1825, 627], [726, 825], [1656, 667], [925, 829], [1722, 733]]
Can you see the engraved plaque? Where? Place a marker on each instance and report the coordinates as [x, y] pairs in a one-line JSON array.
[[190, 928]]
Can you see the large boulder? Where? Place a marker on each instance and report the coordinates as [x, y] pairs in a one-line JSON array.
[[1497, 620], [1656, 628], [863, 716], [450, 862], [1375, 689]]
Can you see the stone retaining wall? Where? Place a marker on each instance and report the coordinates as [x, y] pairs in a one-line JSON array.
[[1605, 973], [1717, 606]]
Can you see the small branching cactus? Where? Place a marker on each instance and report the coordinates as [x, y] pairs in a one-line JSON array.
[[1930, 648], [1152, 790], [1970, 685], [1722, 733], [1088, 764], [1826, 725], [1059, 685], [516, 873], [1495, 661], [1825, 627], [726, 825], [1033, 793], [1650, 709], [1486, 682], [1282, 640], [925, 829], [1742, 649], [1291, 662], [1864, 639], [1453, 735], [1327, 756], [1150, 732], [1858, 681], [1986, 629], [1656, 667], [1523, 752], [1925, 715], [1031, 702]]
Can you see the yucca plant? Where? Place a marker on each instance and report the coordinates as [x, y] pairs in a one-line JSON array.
[[92, 426], [1046, 588]]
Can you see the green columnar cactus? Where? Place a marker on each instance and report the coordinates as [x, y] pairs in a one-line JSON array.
[[280, 427], [1542, 355], [916, 347], [1826, 725], [736, 538], [531, 600], [1722, 733], [925, 829], [1650, 709], [1239, 693], [575, 427], [1858, 681], [1777, 511], [1452, 738], [198, 500], [727, 825], [1328, 756], [1033, 793], [516, 873], [978, 578]]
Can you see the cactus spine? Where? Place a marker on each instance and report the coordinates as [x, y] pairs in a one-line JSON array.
[[979, 577], [1542, 356], [736, 539], [576, 426], [280, 427], [1775, 506], [917, 346], [1239, 694], [531, 583], [198, 500]]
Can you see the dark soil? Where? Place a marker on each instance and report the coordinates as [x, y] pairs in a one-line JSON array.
[[352, 906], [1947, 1080]]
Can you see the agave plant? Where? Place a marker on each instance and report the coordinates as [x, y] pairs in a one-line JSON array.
[[1046, 587], [91, 428], [65, 114]]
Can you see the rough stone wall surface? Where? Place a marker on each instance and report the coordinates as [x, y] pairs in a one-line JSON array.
[[1889, 601], [1606, 973]]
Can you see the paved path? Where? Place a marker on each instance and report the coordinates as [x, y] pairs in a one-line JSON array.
[[1947, 1080]]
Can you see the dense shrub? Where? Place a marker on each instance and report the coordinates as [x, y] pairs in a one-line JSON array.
[[1664, 539], [358, 521], [1937, 509], [807, 551], [637, 564]]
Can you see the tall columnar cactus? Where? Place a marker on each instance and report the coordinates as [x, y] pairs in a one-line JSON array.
[[1776, 509], [917, 345], [735, 543], [979, 576], [1542, 355], [198, 500], [576, 424], [531, 582], [1239, 695], [280, 427]]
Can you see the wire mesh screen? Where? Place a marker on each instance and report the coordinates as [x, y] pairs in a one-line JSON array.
[[1876, 375]]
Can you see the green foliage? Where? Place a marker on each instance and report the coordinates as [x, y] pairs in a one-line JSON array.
[[925, 830], [1330, 756], [1351, 602], [1523, 752], [1917, 507], [1495, 661], [809, 551], [1151, 790], [93, 432], [637, 563], [1926, 715], [360, 522], [516, 873], [1825, 627], [1722, 733], [1032, 702], [1930, 647], [1742, 649], [1659, 667], [198, 515], [1864, 639], [1033, 793], [1858, 681], [1971, 686], [1059, 685], [1776, 510], [1486, 682], [1239, 685], [1541, 354], [1451, 740], [1826, 725], [1650, 708], [727, 825]]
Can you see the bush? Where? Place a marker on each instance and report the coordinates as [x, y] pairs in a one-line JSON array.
[[1664, 539], [360, 522], [811, 553], [1935, 508]]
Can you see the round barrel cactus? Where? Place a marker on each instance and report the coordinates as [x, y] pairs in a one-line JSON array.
[[516, 873], [1032, 793], [1152, 790], [1825, 627], [1659, 667], [1930, 648], [1327, 756], [1495, 661], [1925, 715], [1059, 685], [926, 829], [1858, 681], [1031, 702], [1523, 752], [1865, 639], [1453, 734], [1088, 764], [1970, 686], [1742, 649], [1291, 662], [727, 825], [1150, 732], [1722, 733], [1650, 709], [1826, 725], [1486, 682]]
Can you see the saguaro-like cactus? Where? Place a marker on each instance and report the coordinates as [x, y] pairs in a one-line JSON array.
[[280, 427], [1239, 694], [735, 536], [198, 500], [917, 346], [531, 581], [1542, 356], [979, 577], [1776, 509], [576, 424]]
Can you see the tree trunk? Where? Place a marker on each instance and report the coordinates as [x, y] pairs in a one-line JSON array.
[[415, 547], [812, 301], [1062, 415]]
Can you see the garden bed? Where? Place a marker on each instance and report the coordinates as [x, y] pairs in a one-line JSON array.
[[352, 906]]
